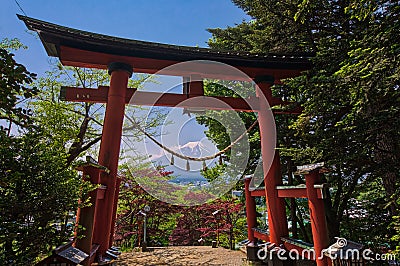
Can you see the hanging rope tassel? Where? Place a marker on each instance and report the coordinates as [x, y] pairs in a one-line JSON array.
[[187, 165], [204, 166], [172, 160]]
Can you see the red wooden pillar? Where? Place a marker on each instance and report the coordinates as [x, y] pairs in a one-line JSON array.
[[114, 215], [251, 215], [317, 216], [277, 220], [109, 151]]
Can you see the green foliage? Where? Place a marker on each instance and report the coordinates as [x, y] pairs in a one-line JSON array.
[[37, 194], [216, 121], [12, 44], [14, 80], [395, 225], [213, 173], [38, 191], [367, 211], [350, 99], [76, 126], [273, 30]]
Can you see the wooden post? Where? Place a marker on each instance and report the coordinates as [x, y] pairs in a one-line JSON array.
[[114, 215], [196, 86], [277, 221], [293, 216], [251, 215], [109, 151], [317, 216]]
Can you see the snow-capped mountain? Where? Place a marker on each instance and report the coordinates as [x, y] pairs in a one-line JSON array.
[[195, 149]]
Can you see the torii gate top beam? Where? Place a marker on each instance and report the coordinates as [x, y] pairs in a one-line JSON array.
[[86, 49]]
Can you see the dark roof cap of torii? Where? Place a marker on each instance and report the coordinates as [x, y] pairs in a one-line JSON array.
[[86, 49]]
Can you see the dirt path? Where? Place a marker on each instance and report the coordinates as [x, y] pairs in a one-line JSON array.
[[183, 256]]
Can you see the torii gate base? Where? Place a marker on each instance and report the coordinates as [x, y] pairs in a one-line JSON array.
[[313, 190]]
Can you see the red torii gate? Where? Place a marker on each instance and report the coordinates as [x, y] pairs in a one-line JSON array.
[[121, 57]]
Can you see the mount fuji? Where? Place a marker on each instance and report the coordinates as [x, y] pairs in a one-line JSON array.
[[195, 149]]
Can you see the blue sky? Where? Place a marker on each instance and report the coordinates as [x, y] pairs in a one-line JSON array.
[[182, 22]]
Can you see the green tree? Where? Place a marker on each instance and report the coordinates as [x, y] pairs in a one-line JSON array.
[[350, 96], [37, 193], [372, 76], [76, 126], [396, 226], [14, 80], [37, 189]]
